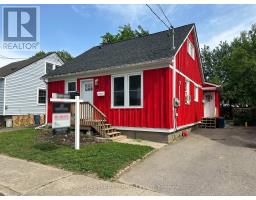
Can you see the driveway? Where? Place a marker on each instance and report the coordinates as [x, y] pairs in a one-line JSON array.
[[20, 177], [208, 162]]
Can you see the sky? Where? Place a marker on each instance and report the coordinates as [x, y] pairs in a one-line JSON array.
[[77, 28]]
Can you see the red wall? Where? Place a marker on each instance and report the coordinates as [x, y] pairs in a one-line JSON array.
[[192, 112], [54, 87], [156, 103]]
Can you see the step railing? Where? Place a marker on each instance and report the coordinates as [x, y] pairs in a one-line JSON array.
[[90, 115]]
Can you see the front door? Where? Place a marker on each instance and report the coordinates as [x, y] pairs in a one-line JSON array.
[[209, 104], [87, 90]]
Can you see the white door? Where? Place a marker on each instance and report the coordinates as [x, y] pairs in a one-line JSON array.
[[209, 104], [86, 90]]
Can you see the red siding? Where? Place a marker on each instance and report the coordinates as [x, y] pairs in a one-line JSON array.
[[186, 64], [193, 112], [156, 105], [217, 103], [54, 87]]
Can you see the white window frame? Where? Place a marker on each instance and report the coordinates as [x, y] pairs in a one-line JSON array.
[[37, 96], [191, 49], [126, 90], [187, 92], [53, 67], [196, 93], [66, 85]]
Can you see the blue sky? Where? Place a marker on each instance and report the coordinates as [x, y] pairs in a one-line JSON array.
[[76, 28]]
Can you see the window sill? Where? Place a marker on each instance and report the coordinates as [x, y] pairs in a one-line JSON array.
[[128, 107]]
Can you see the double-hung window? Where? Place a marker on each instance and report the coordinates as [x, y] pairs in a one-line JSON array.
[[191, 49], [196, 93], [71, 87], [41, 96], [187, 92], [127, 91]]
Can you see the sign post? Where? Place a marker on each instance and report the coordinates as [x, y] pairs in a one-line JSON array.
[[77, 102]]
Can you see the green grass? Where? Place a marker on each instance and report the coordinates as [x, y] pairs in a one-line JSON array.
[[103, 159]]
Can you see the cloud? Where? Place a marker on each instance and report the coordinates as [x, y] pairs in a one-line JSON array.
[[227, 26], [82, 10], [136, 15]]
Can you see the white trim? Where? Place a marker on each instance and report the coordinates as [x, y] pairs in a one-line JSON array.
[[212, 84], [156, 64], [4, 96], [186, 77], [66, 85], [126, 90], [37, 97], [190, 44], [209, 88], [161, 130], [198, 49], [196, 93]]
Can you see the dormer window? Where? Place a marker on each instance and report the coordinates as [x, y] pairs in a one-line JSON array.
[[191, 49], [49, 67]]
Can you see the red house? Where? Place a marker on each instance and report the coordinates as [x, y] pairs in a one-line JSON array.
[[144, 86]]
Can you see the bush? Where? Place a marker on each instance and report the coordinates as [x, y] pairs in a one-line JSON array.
[[242, 115]]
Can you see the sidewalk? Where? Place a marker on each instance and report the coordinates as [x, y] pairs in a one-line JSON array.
[[20, 177]]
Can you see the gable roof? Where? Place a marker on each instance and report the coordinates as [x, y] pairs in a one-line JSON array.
[[142, 49], [15, 66]]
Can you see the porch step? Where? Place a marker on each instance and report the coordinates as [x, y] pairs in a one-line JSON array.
[[208, 122], [113, 134], [119, 138]]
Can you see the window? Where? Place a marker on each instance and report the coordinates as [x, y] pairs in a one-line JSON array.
[[127, 91], [56, 66], [49, 67], [71, 87], [187, 92], [191, 49], [119, 91], [196, 93], [41, 96], [135, 90]]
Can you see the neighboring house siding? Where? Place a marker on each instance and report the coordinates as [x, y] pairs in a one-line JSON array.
[[1, 96], [22, 87]]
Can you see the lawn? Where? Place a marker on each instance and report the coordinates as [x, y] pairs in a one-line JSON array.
[[103, 159]]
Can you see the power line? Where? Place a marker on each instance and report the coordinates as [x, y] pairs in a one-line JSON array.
[[169, 27], [157, 16], [159, 6]]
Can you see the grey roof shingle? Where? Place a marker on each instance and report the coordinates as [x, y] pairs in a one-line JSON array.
[[147, 48], [15, 66]]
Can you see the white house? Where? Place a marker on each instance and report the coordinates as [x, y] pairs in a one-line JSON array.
[[22, 90]]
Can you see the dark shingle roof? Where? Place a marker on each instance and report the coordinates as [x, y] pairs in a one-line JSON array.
[[147, 48], [15, 66]]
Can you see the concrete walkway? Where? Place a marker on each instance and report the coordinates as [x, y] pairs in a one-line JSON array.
[[20, 177], [208, 162]]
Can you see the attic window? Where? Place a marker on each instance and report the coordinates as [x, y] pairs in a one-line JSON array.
[[191, 49], [49, 67]]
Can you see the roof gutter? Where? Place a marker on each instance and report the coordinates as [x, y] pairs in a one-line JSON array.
[[163, 61]]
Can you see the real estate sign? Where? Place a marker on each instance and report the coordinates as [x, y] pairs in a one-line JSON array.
[[61, 115]]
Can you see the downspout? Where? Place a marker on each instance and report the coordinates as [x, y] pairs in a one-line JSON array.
[[174, 93], [4, 96]]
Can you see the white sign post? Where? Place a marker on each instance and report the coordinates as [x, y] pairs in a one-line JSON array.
[[77, 102]]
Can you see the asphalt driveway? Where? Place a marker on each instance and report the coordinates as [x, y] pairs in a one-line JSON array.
[[208, 162]]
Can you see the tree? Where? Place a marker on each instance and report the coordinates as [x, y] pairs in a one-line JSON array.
[[234, 66], [124, 33], [64, 55]]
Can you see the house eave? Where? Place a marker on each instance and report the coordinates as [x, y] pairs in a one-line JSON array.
[[160, 63]]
